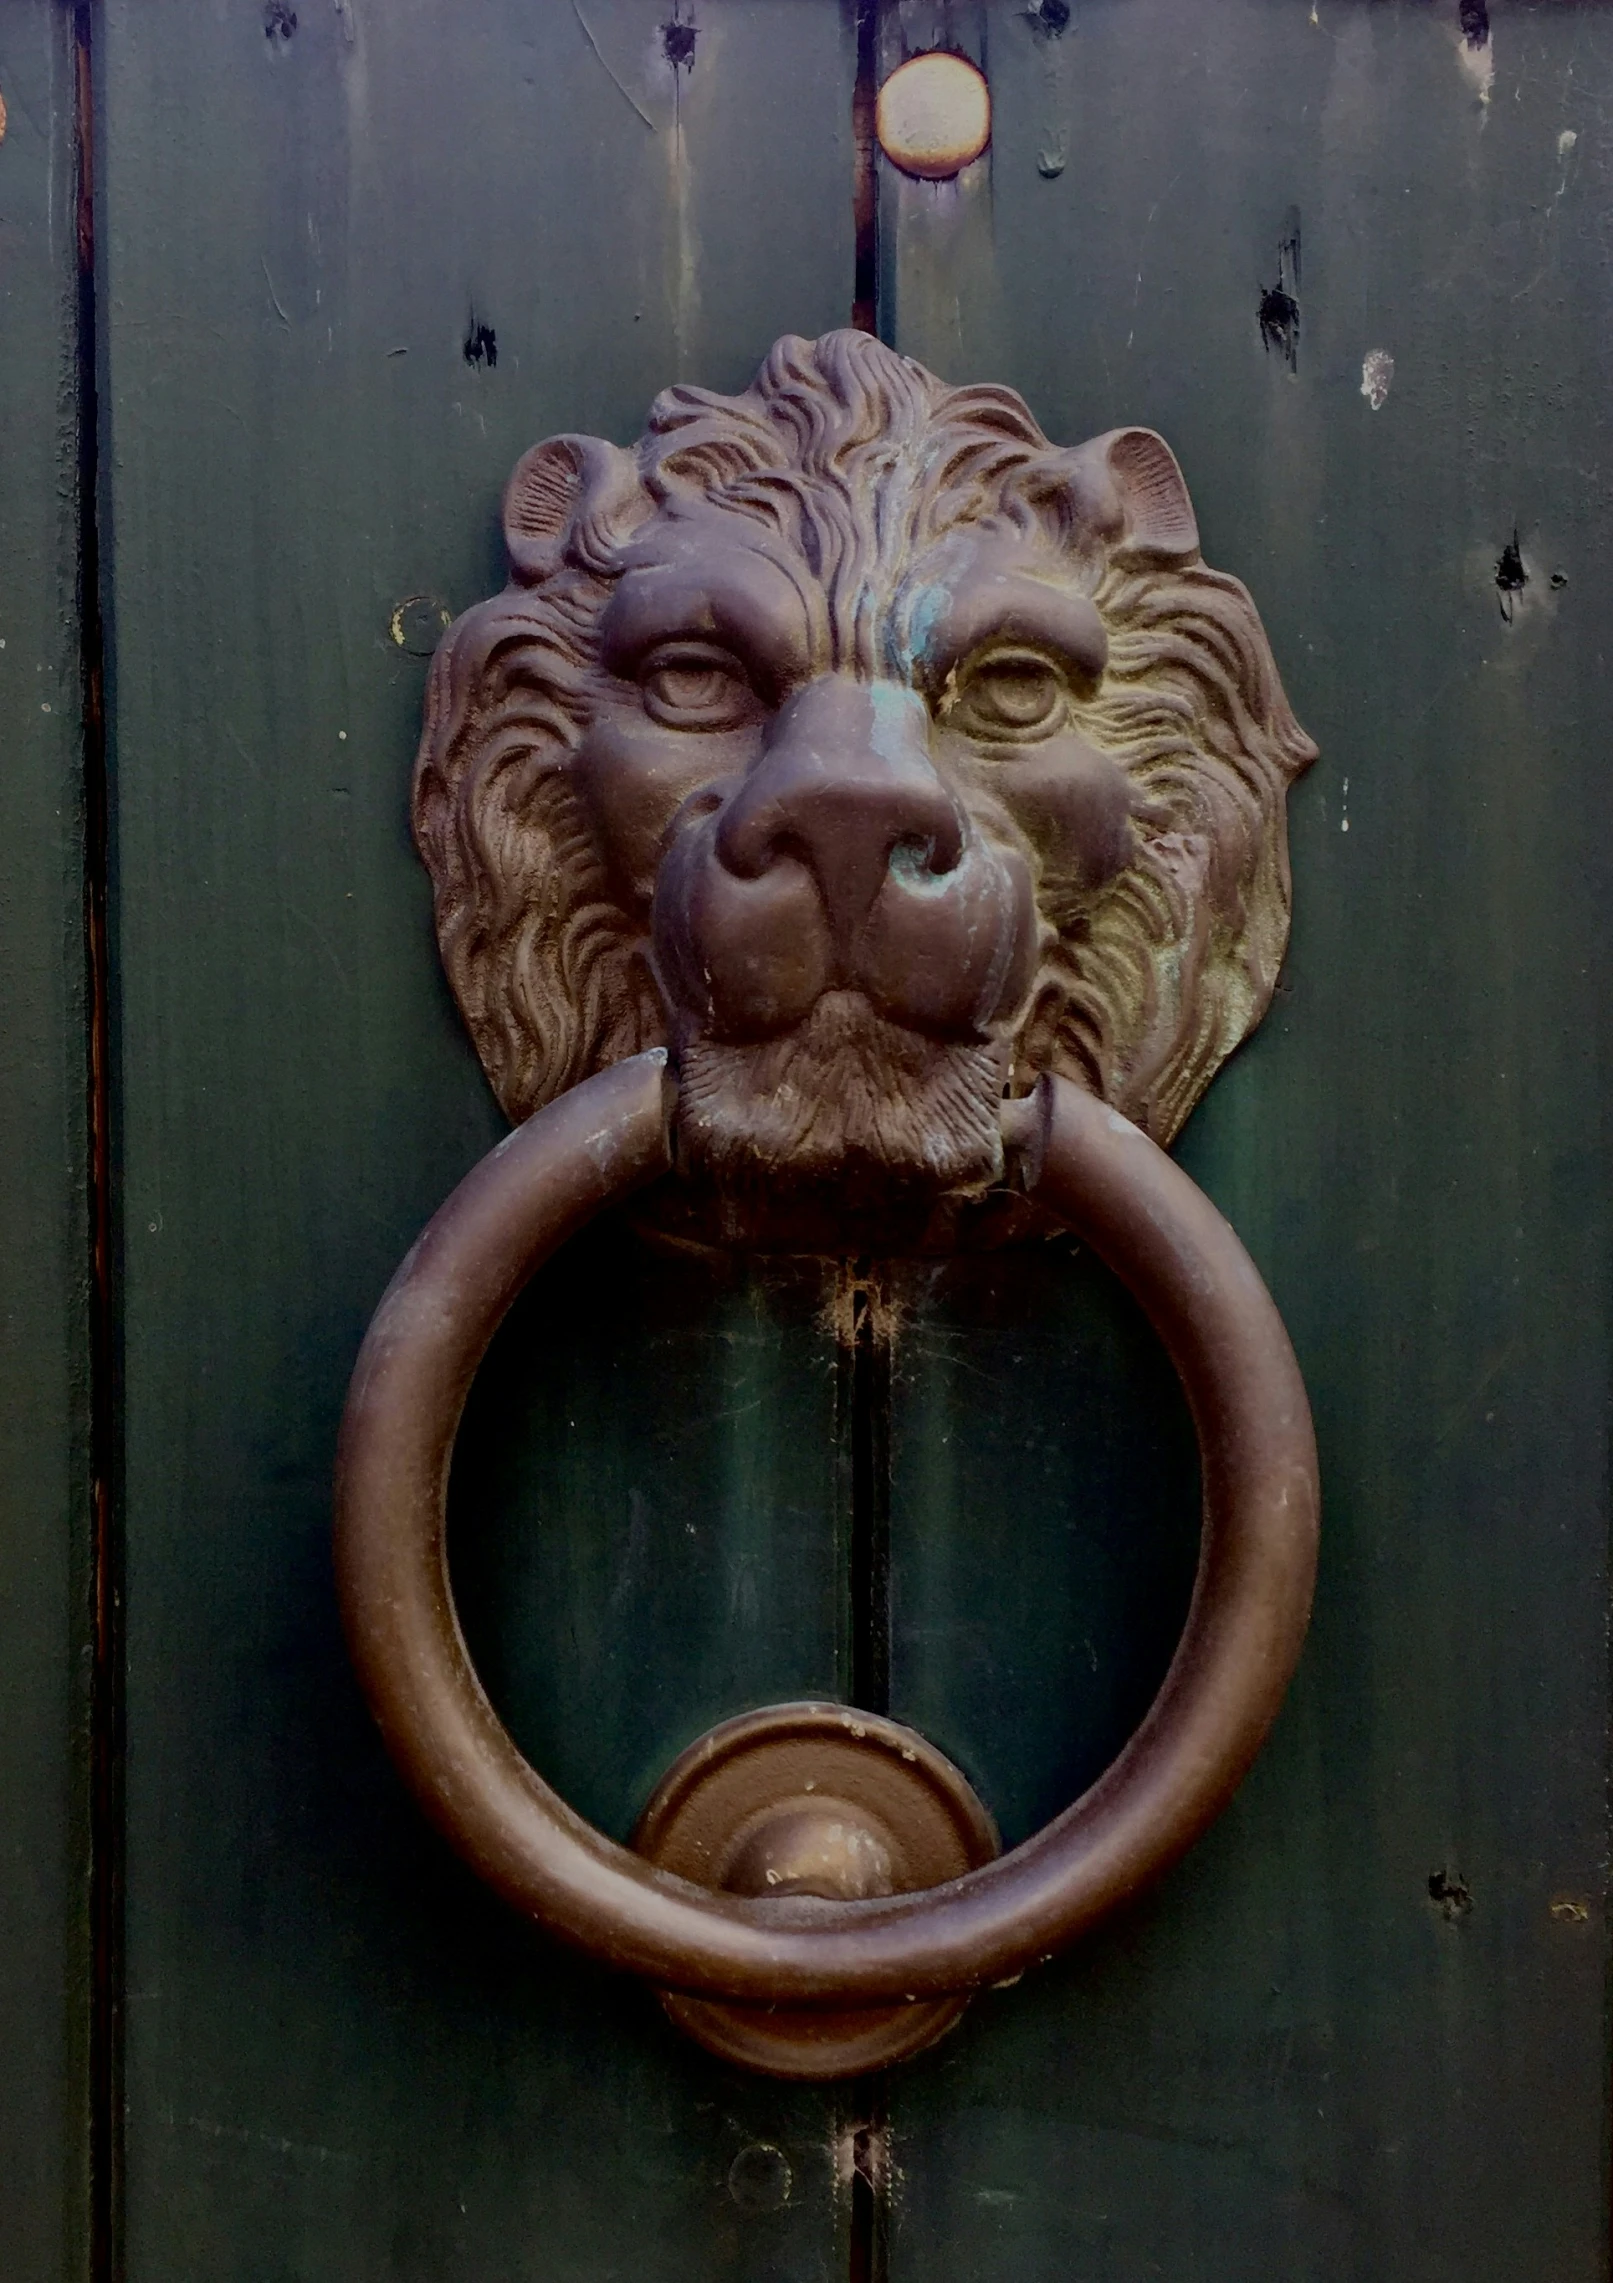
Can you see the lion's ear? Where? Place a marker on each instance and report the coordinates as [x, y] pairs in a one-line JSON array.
[[565, 490], [1145, 503]]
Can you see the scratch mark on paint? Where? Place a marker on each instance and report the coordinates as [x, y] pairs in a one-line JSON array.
[[686, 287], [1049, 20], [278, 2142], [1142, 249], [273, 296], [587, 34], [1565, 153]]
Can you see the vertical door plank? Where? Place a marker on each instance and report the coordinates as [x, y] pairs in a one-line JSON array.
[[1361, 2032], [45, 1525], [344, 2059]]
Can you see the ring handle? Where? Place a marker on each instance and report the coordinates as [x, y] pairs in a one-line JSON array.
[[1161, 1235]]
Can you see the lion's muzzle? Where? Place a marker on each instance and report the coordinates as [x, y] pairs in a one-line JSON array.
[[842, 952], [842, 862]]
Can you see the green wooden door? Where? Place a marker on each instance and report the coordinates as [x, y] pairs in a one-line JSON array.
[[342, 264]]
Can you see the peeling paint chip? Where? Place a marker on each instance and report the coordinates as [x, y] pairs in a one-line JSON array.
[[1377, 371]]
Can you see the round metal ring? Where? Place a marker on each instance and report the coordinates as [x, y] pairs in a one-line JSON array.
[[1251, 1602]]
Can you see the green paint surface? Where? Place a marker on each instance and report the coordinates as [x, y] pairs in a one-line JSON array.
[[44, 1208], [346, 275], [1293, 2060]]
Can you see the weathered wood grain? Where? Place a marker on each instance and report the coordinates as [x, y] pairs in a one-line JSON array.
[[45, 1516]]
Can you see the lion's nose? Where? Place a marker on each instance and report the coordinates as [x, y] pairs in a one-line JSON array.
[[842, 862], [846, 788]]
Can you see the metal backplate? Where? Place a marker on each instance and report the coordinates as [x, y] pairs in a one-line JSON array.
[[814, 1799]]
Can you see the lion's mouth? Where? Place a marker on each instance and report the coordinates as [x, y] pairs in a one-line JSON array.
[[846, 1099]]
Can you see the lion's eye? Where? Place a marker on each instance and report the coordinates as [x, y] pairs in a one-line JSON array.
[[1011, 694], [690, 688]]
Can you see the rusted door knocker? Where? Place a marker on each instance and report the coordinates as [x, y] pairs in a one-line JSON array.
[[856, 815]]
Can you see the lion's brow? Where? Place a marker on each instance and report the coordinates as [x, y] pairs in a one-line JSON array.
[[766, 611], [941, 625]]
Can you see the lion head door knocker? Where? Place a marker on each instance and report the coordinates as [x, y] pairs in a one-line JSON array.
[[855, 807]]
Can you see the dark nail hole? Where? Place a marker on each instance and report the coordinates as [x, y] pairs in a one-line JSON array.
[[279, 21], [1451, 1894], [678, 42], [481, 344], [1051, 15], [1475, 21], [1278, 314], [1559, 579], [1511, 577]]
